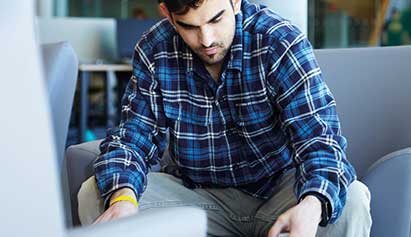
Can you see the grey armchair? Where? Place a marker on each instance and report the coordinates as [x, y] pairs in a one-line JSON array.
[[371, 87], [372, 90], [60, 66]]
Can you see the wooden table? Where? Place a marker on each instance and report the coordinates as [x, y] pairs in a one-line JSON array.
[[85, 71]]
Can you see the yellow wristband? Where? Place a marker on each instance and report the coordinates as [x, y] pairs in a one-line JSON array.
[[124, 198]]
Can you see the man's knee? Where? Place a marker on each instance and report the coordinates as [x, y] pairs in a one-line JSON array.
[[356, 218], [358, 198], [90, 204]]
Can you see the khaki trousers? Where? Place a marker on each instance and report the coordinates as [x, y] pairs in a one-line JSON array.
[[231, 212]]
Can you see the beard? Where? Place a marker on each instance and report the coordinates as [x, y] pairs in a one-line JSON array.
[[213, 58]]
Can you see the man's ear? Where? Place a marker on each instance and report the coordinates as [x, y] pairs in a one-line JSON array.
[[237, 6], [166, 13]]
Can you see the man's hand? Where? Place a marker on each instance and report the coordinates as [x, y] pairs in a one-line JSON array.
[[301, 220], [119, 209]]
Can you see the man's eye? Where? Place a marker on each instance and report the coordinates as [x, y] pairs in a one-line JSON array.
[[188, 27], [216, 20]]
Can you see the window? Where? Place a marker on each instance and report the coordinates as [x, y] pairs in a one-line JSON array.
[[113, 8], [331, 23], [353, 23]]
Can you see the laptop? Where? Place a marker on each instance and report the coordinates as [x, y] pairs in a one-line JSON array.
[[32, 198]]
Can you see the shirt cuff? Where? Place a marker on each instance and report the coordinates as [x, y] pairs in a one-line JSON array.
[[110, 183], [325, 188]]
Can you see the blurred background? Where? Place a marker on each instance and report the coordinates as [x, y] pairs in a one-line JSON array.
[[103, 32], [331, 23]]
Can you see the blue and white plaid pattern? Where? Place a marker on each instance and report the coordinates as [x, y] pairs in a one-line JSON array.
[[270, 112]]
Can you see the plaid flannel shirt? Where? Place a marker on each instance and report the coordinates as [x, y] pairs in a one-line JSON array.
[[270, 112]]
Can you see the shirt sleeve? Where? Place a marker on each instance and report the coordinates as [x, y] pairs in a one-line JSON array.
[[309, 118], [139, 141]]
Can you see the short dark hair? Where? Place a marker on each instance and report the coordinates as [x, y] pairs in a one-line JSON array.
[[181, 7]]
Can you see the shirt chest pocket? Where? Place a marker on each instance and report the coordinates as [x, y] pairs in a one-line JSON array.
[[256, 112], [187, 111]]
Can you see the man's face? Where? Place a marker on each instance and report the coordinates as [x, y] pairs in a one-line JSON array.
[[209, 29]]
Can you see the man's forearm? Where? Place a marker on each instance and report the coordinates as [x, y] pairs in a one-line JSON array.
[[123, 192]]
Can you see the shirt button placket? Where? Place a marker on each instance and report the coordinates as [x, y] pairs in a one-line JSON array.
[[220, 113]]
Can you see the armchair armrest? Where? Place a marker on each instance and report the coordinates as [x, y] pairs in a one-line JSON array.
[[79, 160], [389, 181], [171, 222]]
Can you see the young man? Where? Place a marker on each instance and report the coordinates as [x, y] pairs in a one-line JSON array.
[[249, 117]]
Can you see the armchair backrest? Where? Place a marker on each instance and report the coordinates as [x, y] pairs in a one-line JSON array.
[[60, 65], [372, 90]]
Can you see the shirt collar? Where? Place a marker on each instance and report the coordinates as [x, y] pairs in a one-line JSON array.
[[236, 51]]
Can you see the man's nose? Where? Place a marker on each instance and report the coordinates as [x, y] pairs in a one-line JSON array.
[[206, 36]]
